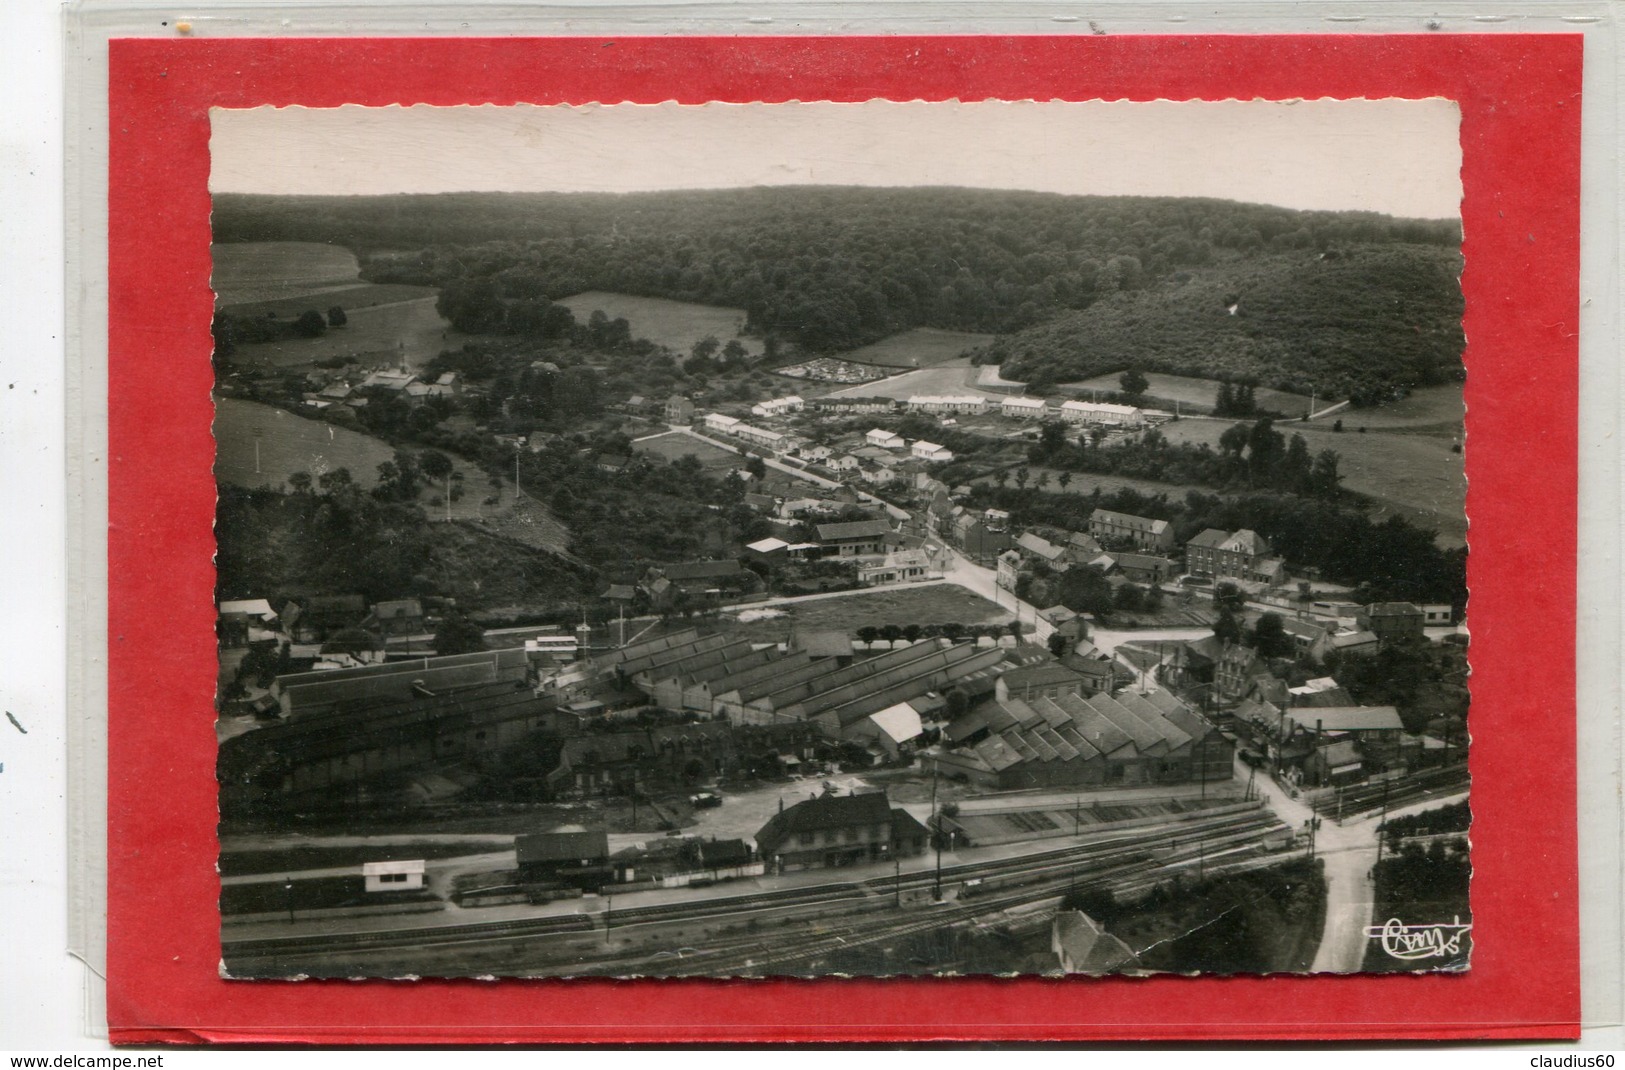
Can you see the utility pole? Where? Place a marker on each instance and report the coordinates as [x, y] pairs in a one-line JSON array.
[[259, 432], [1382, 821], [897, 868], [936, 822]]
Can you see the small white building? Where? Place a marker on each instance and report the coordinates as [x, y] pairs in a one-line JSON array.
[[778, 406], [393, 876], [930, 451], [1023, 408], [759, 435], [717, 421], [886, 440], [844, 463], [963, 404], [1092, 412]]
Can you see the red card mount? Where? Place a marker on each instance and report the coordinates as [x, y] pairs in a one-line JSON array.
[[1520, 128]]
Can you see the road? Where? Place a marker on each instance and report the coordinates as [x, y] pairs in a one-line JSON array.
[[1349, 853]]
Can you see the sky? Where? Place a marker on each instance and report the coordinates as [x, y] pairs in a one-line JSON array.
[[1401, 157]]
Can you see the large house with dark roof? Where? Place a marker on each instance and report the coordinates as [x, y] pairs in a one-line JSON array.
[[1147, 534], [1244, 555], [856, 538], [839, 830]]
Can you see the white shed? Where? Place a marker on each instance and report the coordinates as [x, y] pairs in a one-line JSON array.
[[393, 876]]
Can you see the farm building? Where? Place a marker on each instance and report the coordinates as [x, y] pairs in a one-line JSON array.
[[1144, 532], [839, 830], [856, 538], [1096, 741], [1024, 408]]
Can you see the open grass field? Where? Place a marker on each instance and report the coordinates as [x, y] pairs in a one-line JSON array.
[[1198, 392], [923, 347], [675, 444], [409, 332], [1430, 407], [938, 603], [269, 270], [1415, 475], [674, 324], [957, 376], [289, 444], [351, 298], [1085, 483]]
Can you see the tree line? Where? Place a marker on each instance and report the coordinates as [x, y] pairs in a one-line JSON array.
[[830, 268]]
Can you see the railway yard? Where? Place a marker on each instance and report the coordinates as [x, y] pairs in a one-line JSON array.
[[791, 929]]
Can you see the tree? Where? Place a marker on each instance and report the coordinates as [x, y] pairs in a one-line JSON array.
[[1058, 644], [868, 633], [1129, 598], [756, 466], [1064, 480], [458, 635], [1269, 637], [1134, 382], [310, 324], [1227, 628], [300, 482], [336, 317], [1051, 437], [1227, 596]]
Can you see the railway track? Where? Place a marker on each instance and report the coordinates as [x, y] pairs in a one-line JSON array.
[[1401, 791], [1062, 863]]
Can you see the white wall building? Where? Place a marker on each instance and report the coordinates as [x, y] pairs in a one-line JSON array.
[[1023, 408], [930, 451], [717, 421], [393, 876], [886, 440], [1092, 412], [964, 404]]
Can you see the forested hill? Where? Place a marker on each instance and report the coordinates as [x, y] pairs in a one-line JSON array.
[[827, 267], [1356, 322]]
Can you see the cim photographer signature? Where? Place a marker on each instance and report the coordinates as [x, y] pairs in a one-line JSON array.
[[1411, 942]]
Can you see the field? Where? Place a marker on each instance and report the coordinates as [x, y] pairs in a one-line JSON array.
[[675, 444], [402, 332], [1199, 392], [1427, 407], [674, 324], [1085, 483], [955, 377], [1415, 475], [938, 603], [289, 444], [352, 298], [923, 347], [269, 270]]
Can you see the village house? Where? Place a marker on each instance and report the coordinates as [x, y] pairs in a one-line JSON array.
[[778, 406], [679, 410], [1244, 556], [1009, 569], [904, 566], [1037, 548], [1146, 534], [1019, 408], [1100, 413], [955, 404], [719, 421], [571, 856], [1145, 568], [930, 451], [886, 440], [839, 830], [1395, 622]]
